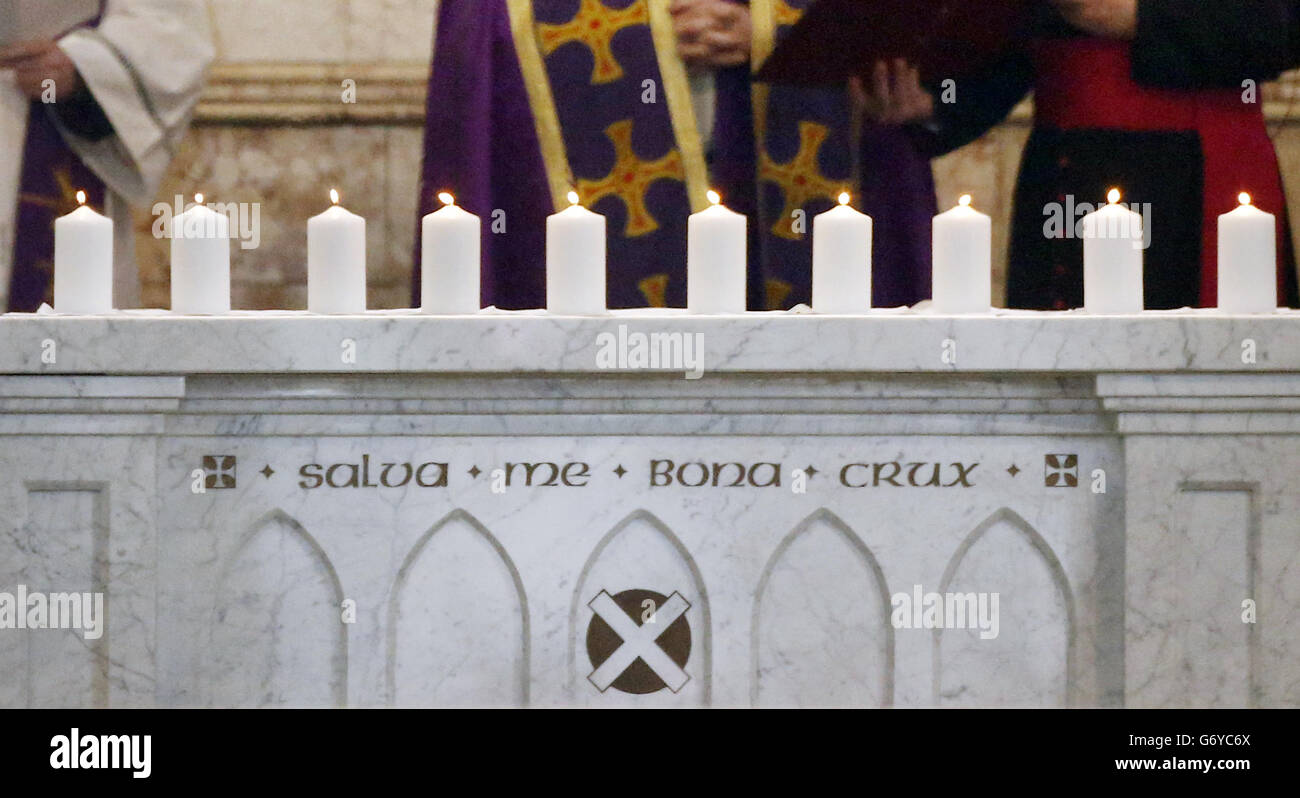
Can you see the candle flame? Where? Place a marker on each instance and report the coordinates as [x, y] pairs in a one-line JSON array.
[[334, 196], [845, 197], [81, 198], [1113, 196], [1243, 198], [715, 198], [198, 199], [964, 200], [573, 198], [447, 198]]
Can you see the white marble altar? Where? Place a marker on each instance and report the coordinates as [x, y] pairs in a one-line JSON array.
[[394, 509]]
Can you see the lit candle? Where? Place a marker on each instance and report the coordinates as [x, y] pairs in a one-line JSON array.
[[83, 261], [451, 260], [575, 261], [200, 261], [963, 260], [841, 268], [336, 261], [1112, 259], [1247, 260], [716, 263]]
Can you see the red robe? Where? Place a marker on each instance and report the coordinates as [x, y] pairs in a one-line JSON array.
[[1164, 118]]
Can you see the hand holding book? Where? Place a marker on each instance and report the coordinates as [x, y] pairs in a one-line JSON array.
[[838, 39], [1110, 19], [892, 94]]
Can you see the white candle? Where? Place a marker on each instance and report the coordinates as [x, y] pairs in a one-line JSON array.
[[336, 261], [575, 261], [1112, 260], [963, 260], [83, 261], [451, 260], [841, 266], [716, 262], [200, 261], [1247, 260]]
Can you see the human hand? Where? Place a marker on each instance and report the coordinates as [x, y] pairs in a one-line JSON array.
[[33, 63], [893, 94], [712, 33], [1111, 19]]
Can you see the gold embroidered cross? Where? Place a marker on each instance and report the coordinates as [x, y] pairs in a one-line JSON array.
[[655, 290], [787, 14], [65, 201], [595, 25], [800, 179], [630, 179], [775, 292]]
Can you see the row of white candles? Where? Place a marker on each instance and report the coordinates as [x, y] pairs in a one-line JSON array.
[[716, 263]]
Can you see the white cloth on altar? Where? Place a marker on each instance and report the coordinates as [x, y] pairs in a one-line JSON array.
[[145, 65]]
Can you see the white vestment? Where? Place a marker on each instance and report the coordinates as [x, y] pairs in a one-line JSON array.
[[145, 66]]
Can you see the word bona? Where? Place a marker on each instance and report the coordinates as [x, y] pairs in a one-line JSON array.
[[360, 475], [715, 475], [907, 475]]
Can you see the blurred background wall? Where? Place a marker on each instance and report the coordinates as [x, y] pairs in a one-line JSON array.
[[272, 129]]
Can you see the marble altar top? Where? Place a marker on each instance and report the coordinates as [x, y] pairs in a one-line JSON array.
[[522, 342]]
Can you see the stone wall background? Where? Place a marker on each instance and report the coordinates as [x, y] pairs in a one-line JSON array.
[[272, 130]]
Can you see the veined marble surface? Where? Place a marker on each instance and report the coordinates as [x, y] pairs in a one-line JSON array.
[[156, 342], [482, 515]]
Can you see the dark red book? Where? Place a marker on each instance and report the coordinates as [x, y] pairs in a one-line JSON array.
[[837, 39]]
